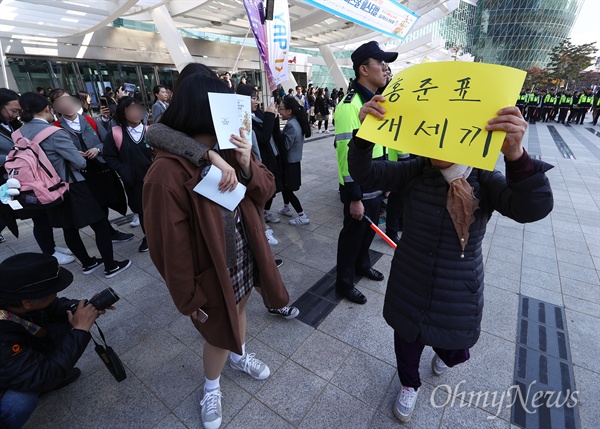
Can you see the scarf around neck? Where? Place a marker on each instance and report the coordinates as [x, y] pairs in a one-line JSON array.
[[460, 201]]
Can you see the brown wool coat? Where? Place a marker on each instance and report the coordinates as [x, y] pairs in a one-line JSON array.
[[186, 237]]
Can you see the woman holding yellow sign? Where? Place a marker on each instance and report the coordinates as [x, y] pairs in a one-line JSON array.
[[435, 290]]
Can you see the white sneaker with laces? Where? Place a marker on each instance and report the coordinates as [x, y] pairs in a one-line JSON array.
[[270, 238], [63, 259], [286, 211], [212, 413], [405, 404], [271, 218], [438, 366], [135, 221], [252, 366], [300, 220], [63, 250]]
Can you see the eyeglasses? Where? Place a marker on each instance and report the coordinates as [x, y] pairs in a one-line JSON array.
[[380, 63], [13, 112]]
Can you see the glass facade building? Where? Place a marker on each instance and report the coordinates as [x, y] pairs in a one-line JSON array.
[[522, 33]]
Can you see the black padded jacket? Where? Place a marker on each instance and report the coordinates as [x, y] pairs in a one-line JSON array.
[[433, 294]]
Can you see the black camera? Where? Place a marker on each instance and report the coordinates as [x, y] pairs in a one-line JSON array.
[[102, 301]]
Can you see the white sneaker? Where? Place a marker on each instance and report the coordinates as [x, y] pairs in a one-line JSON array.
[[271, 218], [135, 221], [405, 404], [63, 259], [272, 240], [212, 413], [300, 220], [63, 250], [252, 366], [438, 366], [286, 211]]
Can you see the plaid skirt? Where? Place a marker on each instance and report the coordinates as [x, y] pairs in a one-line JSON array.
[[243, 275]]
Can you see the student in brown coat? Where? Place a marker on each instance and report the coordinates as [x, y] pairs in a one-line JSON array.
[[210, 257]]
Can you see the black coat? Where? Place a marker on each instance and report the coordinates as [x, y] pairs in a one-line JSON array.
[[321, 106], [264, 125], [433, 294], [32, 364]]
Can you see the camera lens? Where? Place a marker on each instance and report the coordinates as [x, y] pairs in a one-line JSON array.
[[104, 299]]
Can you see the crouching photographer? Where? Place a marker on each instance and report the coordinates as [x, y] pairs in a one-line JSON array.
[[41, 336]]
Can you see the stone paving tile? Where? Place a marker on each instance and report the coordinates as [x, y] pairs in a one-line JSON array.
[[364, 377], [321, 354], [291, 392], [335, 408], [587, 384]]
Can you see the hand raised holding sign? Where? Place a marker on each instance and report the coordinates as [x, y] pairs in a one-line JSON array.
[[372, 107], [511, 121]]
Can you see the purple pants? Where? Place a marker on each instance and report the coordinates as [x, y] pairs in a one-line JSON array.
[[408, 357]]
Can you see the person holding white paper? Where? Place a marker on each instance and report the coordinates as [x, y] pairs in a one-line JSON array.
[[291, 144], [210, 257]]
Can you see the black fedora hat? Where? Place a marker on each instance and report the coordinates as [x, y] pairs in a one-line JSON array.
[[32, 276], [371, 50]]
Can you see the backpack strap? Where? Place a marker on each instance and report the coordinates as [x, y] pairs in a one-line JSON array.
[[39, 137], [117, 133], [92, 122], [44, 134]]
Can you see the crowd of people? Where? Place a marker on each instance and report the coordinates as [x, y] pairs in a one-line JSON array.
[[562, 106], [151, 163]]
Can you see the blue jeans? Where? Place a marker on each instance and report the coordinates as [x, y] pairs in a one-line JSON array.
[[16, 408]]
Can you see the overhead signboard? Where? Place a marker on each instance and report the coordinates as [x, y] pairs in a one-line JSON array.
[[384, 16]]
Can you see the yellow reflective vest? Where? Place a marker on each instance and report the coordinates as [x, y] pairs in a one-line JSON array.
[[346, 121]]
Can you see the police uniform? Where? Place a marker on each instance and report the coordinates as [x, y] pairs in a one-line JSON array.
[[356, 236], [596, 109], [564, 104], [585, 102]]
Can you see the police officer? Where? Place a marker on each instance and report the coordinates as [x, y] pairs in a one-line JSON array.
[[522, 101], [533, 106], [586, 101], [370, 67], [564, 104], [596, 108], [548, 105]]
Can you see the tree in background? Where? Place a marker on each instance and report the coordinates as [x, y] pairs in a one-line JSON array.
[[567, 61], [538, 78]]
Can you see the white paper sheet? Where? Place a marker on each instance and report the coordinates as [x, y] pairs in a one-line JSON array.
[[209, 188], [230, 112]]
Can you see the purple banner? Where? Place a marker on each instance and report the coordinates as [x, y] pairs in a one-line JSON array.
[[256, 12]]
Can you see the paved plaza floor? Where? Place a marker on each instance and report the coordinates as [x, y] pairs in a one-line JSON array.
[[542, 311]]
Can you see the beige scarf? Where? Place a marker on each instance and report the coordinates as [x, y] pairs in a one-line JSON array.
[[460, 202]]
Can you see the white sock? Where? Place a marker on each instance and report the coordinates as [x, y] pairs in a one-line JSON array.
[[301, 214], [235, 357], [211, 384], [286, 206]]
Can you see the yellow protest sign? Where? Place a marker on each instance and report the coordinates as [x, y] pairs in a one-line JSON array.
[[440, 110]]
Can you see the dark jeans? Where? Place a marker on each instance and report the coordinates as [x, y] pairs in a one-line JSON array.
[[16, 408], [354, 242], [408, 357]]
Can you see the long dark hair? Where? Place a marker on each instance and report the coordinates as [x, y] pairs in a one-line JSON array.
[[83, 96], [189, 110], [32, 103], [122, 105], [6, 96], [299, 112]]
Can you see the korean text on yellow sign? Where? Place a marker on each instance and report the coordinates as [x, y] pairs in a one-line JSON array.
[[440, 110]]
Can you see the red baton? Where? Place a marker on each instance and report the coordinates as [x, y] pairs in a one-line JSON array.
[[379, 232]]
